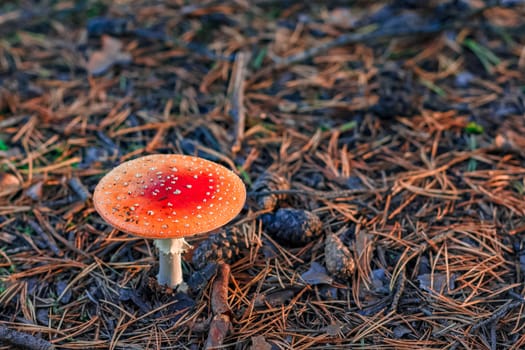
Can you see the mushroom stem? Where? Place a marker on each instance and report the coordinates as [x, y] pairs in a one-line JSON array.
[[170, 269]]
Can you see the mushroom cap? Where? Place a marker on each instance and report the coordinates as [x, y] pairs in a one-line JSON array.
[[169, 196]]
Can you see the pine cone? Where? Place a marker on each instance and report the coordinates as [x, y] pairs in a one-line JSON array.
[[226, 245], [339, 260], [295, 226], [268, 182]]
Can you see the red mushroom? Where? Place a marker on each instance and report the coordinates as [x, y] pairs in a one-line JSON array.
[[169, 197]]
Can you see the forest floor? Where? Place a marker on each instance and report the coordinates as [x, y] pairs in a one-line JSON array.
[[400, 126]]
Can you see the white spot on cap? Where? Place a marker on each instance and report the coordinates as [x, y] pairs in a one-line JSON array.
[[151, 212], [177, 192], [189, 186]]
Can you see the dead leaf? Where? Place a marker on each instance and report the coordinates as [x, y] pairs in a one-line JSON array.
[[333, 329], [341, 17], [401, 331], [35, 191], [278, 298], [259, 343], [509, 140], [316, 275], [111, 53], [436, 282], [503, 17], [9, 184], [364, 248]]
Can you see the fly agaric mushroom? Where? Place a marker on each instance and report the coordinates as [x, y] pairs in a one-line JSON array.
[[168, 197]]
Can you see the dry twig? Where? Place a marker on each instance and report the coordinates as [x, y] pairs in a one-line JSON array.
[[23, 340], [220, 324], [236, 93]]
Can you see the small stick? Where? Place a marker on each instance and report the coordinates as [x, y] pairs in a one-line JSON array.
[[62, 202], [23, 340], [398, 292], [220, 324], [496, 315], [80, 190], [236, 92], [324, 195], [319, 194], [493, 336], [517, 296], [219, 327], [352, 38], [192, 47], [385, 32]]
